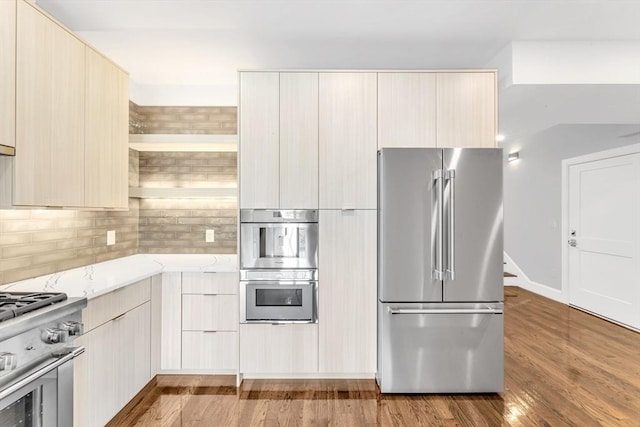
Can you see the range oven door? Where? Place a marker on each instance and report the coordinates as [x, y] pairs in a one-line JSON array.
[[269, 302], [40, 395], [278, 245]]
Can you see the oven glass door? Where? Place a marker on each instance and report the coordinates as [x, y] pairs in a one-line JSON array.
[[293, 301], [34, 405]]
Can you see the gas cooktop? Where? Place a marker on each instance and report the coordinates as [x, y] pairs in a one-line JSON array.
[[14, 304]]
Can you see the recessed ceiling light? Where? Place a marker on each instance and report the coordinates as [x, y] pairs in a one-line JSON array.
[[499, 137]]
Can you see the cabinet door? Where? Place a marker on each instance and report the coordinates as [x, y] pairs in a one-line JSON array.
[[278, 349], [209, 312], [106, 133], [210, 283], [95, 399], [347, 140], [211, 350], [347, 292], [171, 323], [133, 352], [299, 140], [466, 109], [406, 110], [8, 73], [259, 140], [49, 113]]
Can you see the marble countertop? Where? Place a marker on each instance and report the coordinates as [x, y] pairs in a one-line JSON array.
[[98, 279]]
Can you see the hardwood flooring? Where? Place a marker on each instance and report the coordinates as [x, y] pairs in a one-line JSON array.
[[563, 367]]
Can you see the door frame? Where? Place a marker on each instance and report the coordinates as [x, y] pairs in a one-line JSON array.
[[566, 163]]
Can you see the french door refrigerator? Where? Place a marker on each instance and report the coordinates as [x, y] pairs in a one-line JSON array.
[[440, 270]]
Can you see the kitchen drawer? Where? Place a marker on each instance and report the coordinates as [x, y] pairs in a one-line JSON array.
[[210, 283], [209, 312], [279, 349], [210, 350], [109, 306]]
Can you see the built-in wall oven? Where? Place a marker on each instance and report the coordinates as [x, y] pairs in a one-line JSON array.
[[278, 266]]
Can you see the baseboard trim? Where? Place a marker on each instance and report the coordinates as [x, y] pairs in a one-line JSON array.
[[538, 288]]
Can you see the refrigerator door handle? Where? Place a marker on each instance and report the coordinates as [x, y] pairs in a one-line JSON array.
[[487, 310], [450, 176], [438, 177]]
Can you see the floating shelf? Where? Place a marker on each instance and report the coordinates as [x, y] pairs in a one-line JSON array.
[[183, 193], [179, 142]]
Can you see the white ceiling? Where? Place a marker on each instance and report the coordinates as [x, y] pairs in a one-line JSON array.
[[201, 43]]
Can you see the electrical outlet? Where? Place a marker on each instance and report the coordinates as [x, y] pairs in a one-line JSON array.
[[111, 237], [209, 236]]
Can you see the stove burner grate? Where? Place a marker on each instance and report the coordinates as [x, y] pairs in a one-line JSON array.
[[14, 304]]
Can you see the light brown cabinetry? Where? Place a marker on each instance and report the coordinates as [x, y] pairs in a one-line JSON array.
[[278, 140], [259, 140], [279, 349], [49, 165], [347, 291], [466, 109], [106, 133], [406, 109], [8, 73], [117, 362], [429, 109], [347, 140], [199, 322]]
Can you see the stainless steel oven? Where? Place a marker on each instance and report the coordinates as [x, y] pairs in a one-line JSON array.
[[278, 239], [279, 297], [41, 394]]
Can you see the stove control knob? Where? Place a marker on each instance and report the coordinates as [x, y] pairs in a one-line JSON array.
[[8, 361], [55, 336], [73, 328]]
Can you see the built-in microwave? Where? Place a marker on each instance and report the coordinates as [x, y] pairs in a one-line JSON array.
[[278, 239]]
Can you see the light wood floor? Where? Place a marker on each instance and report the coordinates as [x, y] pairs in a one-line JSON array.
[[563, 367]]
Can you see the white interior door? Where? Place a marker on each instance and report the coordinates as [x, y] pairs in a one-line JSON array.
[[604, 221]]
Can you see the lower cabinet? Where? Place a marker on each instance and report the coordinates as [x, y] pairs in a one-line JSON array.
[[117, 362], [199, 322], [279, 349]]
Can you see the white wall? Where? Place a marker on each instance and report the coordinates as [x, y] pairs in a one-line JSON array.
[[532, 193]]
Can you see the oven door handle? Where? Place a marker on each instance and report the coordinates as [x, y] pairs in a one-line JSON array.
[[39, 371]]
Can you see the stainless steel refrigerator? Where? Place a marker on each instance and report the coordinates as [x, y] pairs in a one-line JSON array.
[[440, 270]]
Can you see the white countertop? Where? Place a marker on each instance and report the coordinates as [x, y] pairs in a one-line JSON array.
[[98, 279]]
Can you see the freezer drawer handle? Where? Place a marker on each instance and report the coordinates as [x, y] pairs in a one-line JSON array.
[[445, 311]]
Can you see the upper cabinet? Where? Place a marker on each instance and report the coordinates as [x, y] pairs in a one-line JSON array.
[[50, 113], [429, 109], [406, 109], [7, 73], [466, 109], [106, 133], [71, 116], [347, 140], [259, 140], [278, 140], [299, 140]]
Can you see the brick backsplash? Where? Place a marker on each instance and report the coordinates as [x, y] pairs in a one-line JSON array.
[[36, 242], [178, 225], [182, 120]]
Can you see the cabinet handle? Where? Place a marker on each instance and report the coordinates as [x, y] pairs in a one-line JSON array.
[[119, 317], [209, 332]]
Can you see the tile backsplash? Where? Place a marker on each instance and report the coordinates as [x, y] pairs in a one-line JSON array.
[[35, 242], [182, 120]]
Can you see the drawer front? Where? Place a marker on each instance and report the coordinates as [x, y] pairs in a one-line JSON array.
[[109, 306], [209, 312], [210, 350], [210, 283], [279, 349]]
